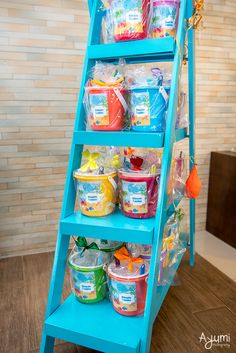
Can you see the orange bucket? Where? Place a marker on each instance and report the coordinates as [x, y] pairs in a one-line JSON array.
[[107, 107]]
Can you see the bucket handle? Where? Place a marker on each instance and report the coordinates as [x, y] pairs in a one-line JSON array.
[[121, 99], [164, 93], [113, 183]]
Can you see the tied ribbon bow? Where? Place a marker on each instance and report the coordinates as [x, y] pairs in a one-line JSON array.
[[91, 161], [81, 242], [168, 242], [129, 151], [115, 161], [196, 19], [179, 214], [123, 254]]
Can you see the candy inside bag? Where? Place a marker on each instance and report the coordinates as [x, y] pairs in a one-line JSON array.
[[146, 159], [105, 98], [182, 116], [110, 74], [178, 175]]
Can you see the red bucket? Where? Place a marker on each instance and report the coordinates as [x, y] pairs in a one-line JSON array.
[[139, 193], [132, 22], [128, 291], [107, 108]]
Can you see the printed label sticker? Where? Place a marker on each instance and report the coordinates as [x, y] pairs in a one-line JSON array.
[[133, 17], [140, 104], [99, 108], [128, 16], [124, 295], [90, 195], [127, 298], [164, 16], [141, 111], [137, 200], [85, 286], [134, 197], [93, 198]]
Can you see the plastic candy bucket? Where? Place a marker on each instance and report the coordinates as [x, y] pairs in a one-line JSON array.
[[89, 282], [97, 193], [128, 293], [148, 109], [130, 19], [107, 108], [164, 19], [139, 194]]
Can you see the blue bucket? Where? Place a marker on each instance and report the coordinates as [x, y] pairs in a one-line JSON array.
[[148, 108]]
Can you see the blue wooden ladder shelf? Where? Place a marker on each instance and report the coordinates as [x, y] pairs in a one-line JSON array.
[[98, 326]]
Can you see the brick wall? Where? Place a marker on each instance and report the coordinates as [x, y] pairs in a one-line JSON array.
[[42, 47]]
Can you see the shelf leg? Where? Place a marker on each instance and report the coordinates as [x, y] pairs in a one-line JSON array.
[[192, 233], [47, 344], [191, 79], [163, 187], [90, 6], [56, 286]]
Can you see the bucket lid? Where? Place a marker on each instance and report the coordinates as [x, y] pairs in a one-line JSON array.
[[94, 174], [148, 88], [100, 89], [88, 260], [144, 87], [123, 272], [137, 173], [166, 1]]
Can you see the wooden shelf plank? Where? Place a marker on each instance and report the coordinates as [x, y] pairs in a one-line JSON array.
[[125, 138], [96, 326]]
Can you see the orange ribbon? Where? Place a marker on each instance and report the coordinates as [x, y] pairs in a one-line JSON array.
[[129, 151], [123, 254], [199, 4], [195, 20]]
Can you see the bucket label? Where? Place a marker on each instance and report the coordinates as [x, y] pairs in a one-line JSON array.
[[137, 200], [133, 17], [99, 109], [127, 17], [134, 197], [163, 21], [127, 298], [123, 295], [140, 109], [85, 285], [93, 197], [90, 196]]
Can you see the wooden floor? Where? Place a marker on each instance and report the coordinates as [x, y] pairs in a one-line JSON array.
[[205, 301]]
